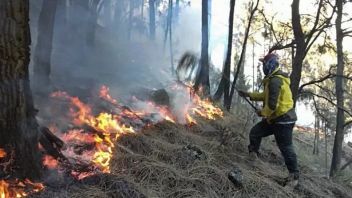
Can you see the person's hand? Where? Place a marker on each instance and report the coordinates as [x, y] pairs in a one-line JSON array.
[[243, 93]]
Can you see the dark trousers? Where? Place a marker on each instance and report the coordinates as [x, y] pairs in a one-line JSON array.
[[283, 137]]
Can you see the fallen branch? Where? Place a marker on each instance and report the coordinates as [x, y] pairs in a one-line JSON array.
[[51, 144], [346, 165]]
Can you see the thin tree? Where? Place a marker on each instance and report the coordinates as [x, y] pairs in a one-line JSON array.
[[224, 85], [203, 76], [168, 33], [304, 41], [93, 9], [316, 136], [253, 9], [152, 19], [177, 10], [130, 16], [18, 127], [326, 146], [43, 49], [340, 118]]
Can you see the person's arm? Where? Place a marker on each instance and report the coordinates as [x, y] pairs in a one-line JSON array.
[[256, 96], [274, 93]]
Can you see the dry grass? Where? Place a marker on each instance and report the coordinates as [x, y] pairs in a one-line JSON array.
[[169, 160]]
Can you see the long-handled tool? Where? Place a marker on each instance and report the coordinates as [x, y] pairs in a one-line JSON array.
[[248, 101]]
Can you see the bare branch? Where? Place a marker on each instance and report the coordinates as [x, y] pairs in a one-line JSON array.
[[270, 24], [316, 22], [328, 100], [347, 33], [318, 111], [279, 46], [322, 79], [347, 123], [319, 30]]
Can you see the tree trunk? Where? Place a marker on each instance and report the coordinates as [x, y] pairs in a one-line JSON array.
[[316, 136], [177, 10], [18, 127], [142, 10], [299, 55], [170, 36], [326, 147], [130, 15], [243, 53], [224, 85], [340, 118], [92, 22], [203, 77], [152, 19], [43, 49]]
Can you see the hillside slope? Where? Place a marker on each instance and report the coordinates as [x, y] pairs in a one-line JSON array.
[[171, 160]]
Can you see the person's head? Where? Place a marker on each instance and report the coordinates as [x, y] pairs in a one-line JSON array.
[[270, 63]]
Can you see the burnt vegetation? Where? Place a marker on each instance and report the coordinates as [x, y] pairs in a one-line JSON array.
[[121, 98]]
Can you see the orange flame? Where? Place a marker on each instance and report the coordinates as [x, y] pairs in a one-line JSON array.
[[105, 94], [4, 192], [108, 127], [50, 162], [2, 153], [18, 189], [105, 123]]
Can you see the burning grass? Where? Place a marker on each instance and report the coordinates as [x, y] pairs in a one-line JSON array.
[[172, 160], [131, 152], [90, 143]]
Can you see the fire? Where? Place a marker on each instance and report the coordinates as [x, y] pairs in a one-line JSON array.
[[92, 141], [2, 153], [50, 162], [4, 192], [196, 105], [206, 109], [104, 93], [163, 111], [106, 124], [16, 188]]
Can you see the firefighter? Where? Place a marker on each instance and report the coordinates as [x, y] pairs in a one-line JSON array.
[[278, 115]]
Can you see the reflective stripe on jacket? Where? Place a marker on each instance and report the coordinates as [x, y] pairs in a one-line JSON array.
[[277, 98]]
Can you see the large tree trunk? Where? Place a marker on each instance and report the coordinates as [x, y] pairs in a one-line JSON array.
[[18, 127], [152, 19], [340, 118], [203, 77], [224, 86], [300, 49], [43, 49]]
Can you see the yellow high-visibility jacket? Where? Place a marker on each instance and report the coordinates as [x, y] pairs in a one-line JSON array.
[[278, 106]]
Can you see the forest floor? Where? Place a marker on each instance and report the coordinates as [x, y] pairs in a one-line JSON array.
[[173, 160]]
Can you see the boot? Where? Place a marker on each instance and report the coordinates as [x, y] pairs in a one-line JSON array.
[[292, 181], [253, 155]]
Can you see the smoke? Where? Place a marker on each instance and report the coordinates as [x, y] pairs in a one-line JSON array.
[[80, 64]]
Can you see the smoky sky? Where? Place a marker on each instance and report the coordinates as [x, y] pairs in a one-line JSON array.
[[123, 64]]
